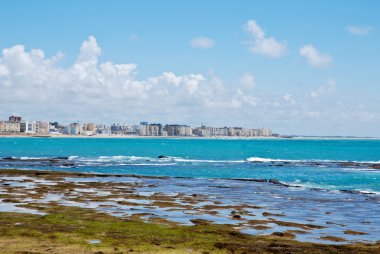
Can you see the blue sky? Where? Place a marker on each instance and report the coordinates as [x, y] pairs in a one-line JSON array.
[[331, 88]]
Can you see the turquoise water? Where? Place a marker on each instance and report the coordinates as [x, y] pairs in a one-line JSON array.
[[325, 164]]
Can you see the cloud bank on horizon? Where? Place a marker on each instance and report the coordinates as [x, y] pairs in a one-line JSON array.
[[97, 91]]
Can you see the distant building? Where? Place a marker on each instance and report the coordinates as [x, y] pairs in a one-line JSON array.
[[154, 129], [42, 127], [90, 127], [72, 129], [10, 127], [15, 119], [178, 130], [27, 127], [103, 129], [202, 131], [265, 132]]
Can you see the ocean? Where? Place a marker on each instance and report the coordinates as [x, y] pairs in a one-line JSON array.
[[331, 164], [333, 183]]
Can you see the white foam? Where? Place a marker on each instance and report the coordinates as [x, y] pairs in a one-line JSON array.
[[259, 159], [208, 161]]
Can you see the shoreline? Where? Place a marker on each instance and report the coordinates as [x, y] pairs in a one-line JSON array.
[[102, 136]]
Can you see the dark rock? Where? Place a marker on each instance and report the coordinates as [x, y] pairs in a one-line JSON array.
[[351, 191], [250, 180], [274, 181], [277, 182], [200, 222], [9, 159]]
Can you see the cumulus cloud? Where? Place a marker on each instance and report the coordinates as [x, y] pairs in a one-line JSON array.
[[261, 44], [202, 42], [30, 82], [314, 57], [289, 98], [326, 89], [248, 81], [359, 30]]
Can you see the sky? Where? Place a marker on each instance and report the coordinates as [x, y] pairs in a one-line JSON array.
[[296, 67]]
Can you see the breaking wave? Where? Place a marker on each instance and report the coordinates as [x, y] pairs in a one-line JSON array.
[[343, 164]]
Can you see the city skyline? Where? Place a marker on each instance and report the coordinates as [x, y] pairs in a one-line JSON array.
[[305, 72], [16, 126]]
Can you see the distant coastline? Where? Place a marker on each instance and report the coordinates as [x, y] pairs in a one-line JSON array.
[[294, 137]]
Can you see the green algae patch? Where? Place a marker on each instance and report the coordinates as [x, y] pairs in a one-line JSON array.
[[73, 230]]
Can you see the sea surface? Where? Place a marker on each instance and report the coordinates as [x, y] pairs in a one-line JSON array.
[[348, 165], [334, 183]]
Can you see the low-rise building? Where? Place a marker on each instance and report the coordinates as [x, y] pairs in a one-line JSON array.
[[42, 127], [10, 127], [72, 129], [28, 127]]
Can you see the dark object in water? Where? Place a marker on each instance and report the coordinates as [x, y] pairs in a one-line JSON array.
[[162, 157]]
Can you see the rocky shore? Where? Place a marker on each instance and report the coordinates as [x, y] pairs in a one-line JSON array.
[[118, 213]]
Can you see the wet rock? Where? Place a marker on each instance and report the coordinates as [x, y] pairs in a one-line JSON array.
[[220, 187], [250, 180], [351, 232], [333, 239], [236, 215], [351, 191], [9, 200], [284, 234], [334, 223], [8, 159], [266, 214], [261, 227], [257, 222], [277, 182], [349, 164], [200, 222]]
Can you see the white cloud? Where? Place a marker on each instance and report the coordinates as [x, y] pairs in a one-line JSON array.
[[289, 98], [202, 42], [3, 70], [100, 90], [359, 30], [248, 81], [260, 44], [89, 52], [326, 89], [314, 57]]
